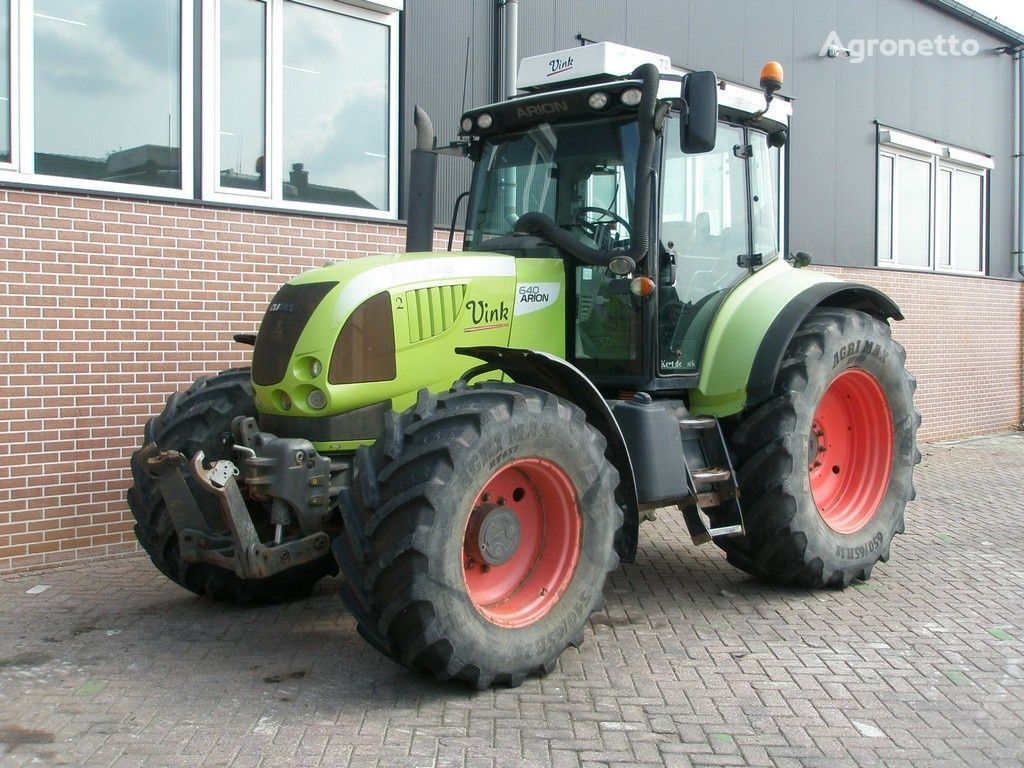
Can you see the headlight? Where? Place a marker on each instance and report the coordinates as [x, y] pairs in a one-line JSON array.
[[467, 124], [632, 97], [317, 399], [365, 348], [598, 100], [485, 121]]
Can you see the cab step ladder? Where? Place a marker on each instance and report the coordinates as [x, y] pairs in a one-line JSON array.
[[713, 508]]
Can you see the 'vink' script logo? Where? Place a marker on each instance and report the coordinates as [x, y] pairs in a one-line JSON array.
[[484, 312], [558, 66]]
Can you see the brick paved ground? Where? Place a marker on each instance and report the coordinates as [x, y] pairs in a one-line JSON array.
[[693, 664]]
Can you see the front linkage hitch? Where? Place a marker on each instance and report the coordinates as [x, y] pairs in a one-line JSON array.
[[288, 473]]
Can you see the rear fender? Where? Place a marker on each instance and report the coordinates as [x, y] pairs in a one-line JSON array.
[[756, 322], [552, 374], [776, 341]]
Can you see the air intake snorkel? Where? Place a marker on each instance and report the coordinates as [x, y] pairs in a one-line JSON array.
[[619, 262]]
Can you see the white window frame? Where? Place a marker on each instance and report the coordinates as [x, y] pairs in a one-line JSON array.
[[22, 52], [895, 144], [384, 13], [13, 70], [982, 175]]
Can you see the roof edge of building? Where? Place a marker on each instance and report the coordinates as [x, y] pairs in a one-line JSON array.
[[979, 20]]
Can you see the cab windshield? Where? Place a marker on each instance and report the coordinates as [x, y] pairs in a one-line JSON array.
[[581, 174]]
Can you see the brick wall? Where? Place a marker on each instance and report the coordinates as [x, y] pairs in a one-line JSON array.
[[964, 341], [110, 305]]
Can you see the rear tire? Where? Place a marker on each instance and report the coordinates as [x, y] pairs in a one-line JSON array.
[[421, 496], [199, 419], [825, 467]]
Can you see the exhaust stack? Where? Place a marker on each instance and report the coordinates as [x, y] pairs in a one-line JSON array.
[[419, 231]]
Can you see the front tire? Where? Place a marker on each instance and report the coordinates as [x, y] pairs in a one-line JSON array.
[[199, 419], [480, 534], [825, 467]]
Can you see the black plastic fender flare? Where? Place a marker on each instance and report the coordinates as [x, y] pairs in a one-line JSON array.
[[773, 347], [552, 374]]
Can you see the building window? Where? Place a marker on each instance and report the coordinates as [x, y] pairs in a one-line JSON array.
[[242, 89], [107, 90], [5, 81], [95, 95], [305, 95], [299, 100], [932, 204]]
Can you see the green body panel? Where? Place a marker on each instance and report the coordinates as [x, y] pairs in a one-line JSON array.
[[540, 311], [736, 333], [439, 301]]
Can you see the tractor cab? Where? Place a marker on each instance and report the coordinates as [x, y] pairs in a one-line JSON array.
[[656, 187]]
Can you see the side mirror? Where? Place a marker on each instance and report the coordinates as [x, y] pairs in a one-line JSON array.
[[700, 126]]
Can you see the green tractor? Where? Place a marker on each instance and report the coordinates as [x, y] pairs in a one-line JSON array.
[[474, 439]]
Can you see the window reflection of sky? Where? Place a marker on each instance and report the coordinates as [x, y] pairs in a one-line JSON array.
[[5, 81], [107, 97], [107, 80], [242, 92], [335, 106]]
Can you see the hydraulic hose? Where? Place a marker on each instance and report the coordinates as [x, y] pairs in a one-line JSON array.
[[535, 223]]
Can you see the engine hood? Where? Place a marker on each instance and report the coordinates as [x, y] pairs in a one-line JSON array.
[[412, 309]]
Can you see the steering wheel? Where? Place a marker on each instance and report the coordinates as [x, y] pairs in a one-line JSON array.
[[606, 217]]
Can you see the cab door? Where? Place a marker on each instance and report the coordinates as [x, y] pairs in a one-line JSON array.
[[717, 224]]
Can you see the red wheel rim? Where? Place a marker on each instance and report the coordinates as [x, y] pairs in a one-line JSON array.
[[525, 587], [850, 451]]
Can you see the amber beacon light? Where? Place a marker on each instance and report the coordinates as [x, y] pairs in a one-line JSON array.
[[771, 77]]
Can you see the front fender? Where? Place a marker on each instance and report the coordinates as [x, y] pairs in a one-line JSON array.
[[755, 324], [553, 374]]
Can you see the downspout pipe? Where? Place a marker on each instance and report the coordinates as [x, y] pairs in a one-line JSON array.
[[1018, 158], [508, 61], [508, 49]]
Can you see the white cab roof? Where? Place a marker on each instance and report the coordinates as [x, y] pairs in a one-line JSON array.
[[562, 68]]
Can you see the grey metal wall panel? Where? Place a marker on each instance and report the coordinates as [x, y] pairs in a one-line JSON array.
[[813, 157], [434, 63], [716, 37], [594, 19], [853, 172], [966, 101], [537, 28], [660, 25]]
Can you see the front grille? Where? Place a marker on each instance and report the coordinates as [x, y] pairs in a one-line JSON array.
[[287, 315]]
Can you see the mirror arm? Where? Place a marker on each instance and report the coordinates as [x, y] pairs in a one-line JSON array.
[[455, 217]]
